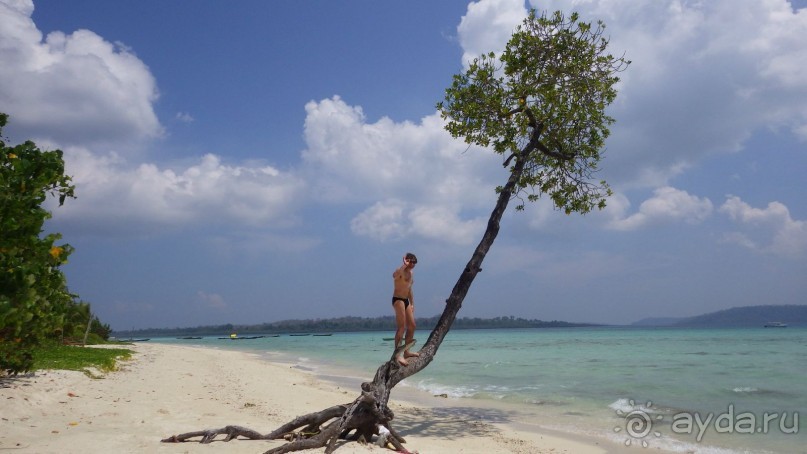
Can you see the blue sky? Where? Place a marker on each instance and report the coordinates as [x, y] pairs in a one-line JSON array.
[[251, 161]]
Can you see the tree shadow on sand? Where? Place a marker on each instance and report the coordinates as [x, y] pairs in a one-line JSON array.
[[449, 422], [11, 381]]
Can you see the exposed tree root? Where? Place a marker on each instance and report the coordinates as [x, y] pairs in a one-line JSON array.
[[210, 434], [358, 420]]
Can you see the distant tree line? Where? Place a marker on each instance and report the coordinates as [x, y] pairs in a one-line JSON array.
[[343, 324]]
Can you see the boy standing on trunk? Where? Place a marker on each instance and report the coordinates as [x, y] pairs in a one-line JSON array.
[[403, 303]]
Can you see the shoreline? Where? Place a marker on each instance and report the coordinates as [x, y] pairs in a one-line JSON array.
[[508, 420], [169, 389]]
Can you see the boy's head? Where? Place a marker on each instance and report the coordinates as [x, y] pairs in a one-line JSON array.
[[410, 257]]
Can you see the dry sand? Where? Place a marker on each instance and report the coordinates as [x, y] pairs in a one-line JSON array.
[[165, 390]]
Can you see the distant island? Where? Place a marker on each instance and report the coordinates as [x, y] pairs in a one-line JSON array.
[[343, 324], [736, 317]]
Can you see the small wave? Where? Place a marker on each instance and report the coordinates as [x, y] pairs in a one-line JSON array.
[[626, 406], [622, 405], [673, 445], [451, 391], [549, 403], [746, 390], [751, 390], [496, 392], [306, 364], [659, 412]]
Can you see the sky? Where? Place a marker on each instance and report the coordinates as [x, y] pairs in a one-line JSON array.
[[248, 162]]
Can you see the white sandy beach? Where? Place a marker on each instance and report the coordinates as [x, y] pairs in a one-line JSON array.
[[165, 390]]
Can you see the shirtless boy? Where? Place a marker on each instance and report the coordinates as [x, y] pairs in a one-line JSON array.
[[403, 302]]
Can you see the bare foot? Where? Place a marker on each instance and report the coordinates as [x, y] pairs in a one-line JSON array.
[[402, 351], [411, 355]]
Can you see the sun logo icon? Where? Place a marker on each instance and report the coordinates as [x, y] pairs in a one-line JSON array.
[[638, 423]]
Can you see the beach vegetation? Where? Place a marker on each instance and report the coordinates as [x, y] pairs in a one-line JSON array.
[[540, 104], [35, 304], [80, 325], [55, 355]]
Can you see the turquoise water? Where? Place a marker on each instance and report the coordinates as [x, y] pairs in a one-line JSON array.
[[695, 390]]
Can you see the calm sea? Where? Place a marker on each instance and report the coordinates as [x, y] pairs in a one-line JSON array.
[[682, 390]]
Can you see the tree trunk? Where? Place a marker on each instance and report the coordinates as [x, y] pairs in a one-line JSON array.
[[87, 331], [370, 411]]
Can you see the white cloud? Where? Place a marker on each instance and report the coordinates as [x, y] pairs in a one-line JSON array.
[[72, 89], [776, 232], [347, 159], [445, 223], [211, 300], [383, 221], [21, 7], [148, 198], [350, 155], [396, 219], [488, 25], [416, 178], [667, 205], [184, 117]]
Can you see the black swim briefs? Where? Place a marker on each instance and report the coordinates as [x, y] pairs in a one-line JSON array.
[[398, 298]]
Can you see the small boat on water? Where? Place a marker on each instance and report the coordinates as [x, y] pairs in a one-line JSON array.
[[324, 334], [189, 337], [775, 325], [242, 337], [297, 335], [140, 340]]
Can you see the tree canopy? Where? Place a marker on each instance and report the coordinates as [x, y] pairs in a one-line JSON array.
[[34, 298], [542, 100]]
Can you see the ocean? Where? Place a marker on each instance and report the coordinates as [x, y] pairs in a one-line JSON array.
[[681, 390]]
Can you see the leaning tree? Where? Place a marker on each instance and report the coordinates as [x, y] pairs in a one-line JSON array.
[[541, 105]]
